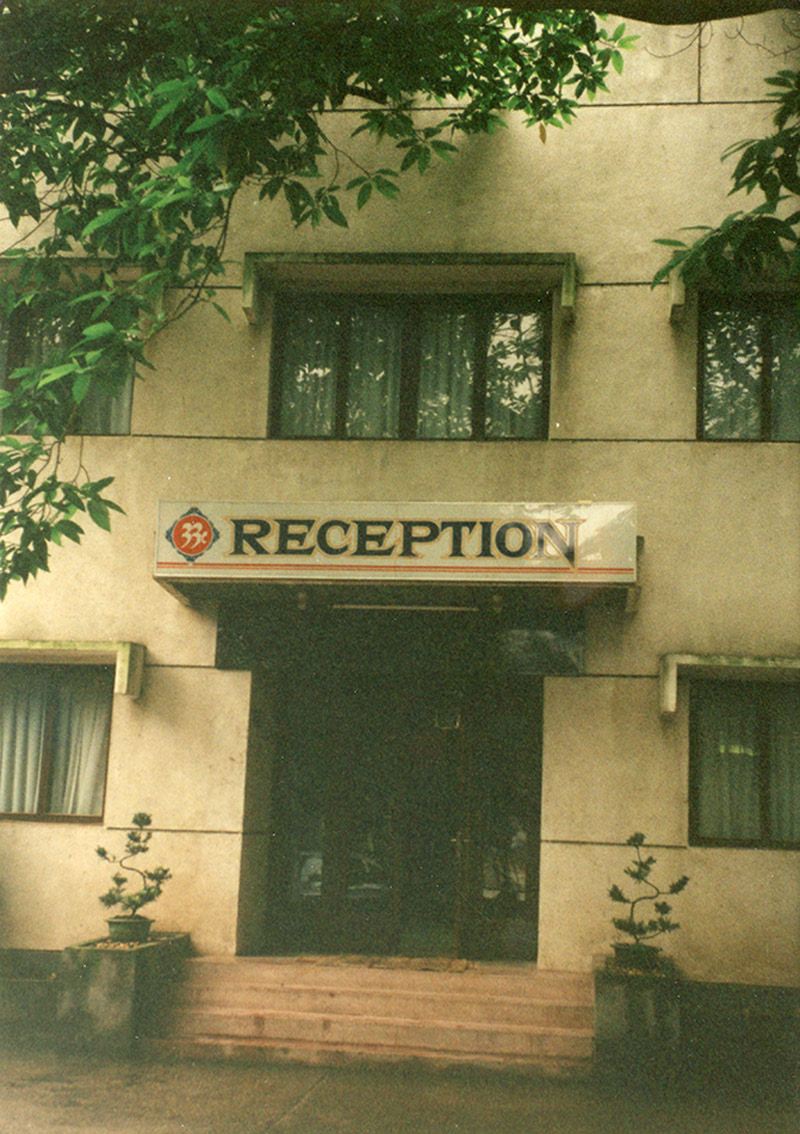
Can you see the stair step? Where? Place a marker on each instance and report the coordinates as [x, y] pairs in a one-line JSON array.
[[336, 1009], [395, 1034], [487, 980], [254, 1051], [420, 1004]]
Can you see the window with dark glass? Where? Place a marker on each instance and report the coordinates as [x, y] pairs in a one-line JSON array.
[[750, 368], [28, 337], [54, 730], [423, 367], [745, 763]]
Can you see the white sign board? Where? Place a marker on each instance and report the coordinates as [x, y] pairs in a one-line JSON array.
[[397, 542]]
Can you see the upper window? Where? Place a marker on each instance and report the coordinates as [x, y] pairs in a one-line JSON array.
[[745, 763], [54, 730], [455, 368], [750, 368], [27, 338]]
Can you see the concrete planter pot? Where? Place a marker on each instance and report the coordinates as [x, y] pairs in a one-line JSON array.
[[112, 994], [129, 928], [637, 1018]]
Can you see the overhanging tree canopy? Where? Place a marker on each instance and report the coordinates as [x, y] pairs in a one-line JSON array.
[[127, 129]]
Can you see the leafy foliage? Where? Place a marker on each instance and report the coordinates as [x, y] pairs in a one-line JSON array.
[[634, 925], [763, 243], [128, 129], [151, 881]]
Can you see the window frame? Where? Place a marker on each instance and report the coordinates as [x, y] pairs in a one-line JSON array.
[[764, 303], [41, 814], [762, 706], [411, 304]]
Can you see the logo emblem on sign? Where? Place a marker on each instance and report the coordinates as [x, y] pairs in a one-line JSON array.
[[192, 534]]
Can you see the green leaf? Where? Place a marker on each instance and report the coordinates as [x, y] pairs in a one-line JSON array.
[[98, 511], [332, 210], [54, 373], [98, 330], [80, 387], [206, 123], [387, 188], [107, 217]]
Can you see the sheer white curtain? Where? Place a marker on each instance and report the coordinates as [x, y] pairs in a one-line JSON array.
[[81, 723], [23, 699], [104, 412], [54, 728], [727, 772], [447, 365], [375, 362], [310, 363]]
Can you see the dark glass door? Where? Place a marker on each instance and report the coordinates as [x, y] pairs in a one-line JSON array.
[[408, 817]]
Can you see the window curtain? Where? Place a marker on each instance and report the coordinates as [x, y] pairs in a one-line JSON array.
[[733, 363], [786, 372], [784, 724], [727, 773], [54, 728], [23, 719], [105, 412], [447, 366], [310, 362], [81, 724], [374, 368], [514, 367]]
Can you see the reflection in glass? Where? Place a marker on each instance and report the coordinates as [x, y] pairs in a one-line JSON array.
[[786, 374], [373, 387], [447, 368], [732, 377], [514, 375], [310, 363], [751, 370]]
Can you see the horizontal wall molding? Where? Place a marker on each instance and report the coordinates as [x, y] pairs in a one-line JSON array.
[[126, 657]]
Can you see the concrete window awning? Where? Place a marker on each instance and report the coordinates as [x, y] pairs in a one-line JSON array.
[[731, 667], [430, 272], [126, 657]]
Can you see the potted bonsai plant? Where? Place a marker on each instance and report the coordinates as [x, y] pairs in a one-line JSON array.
[[648, 914], [131, 926]]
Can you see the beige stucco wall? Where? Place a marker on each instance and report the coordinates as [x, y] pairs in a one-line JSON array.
[[721, 524]]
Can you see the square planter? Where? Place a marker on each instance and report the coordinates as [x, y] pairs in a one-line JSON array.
[[637, 1019], [110, 996]]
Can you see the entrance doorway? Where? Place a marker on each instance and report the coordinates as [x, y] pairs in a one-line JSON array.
[[407, 816]]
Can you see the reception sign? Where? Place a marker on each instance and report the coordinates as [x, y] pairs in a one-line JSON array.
[[592, 543]]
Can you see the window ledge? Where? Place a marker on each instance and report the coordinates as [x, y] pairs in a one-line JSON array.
[[732, 667], [435, 273], [126, 657]]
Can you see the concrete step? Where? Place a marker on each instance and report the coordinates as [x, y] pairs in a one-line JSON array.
[[393, 1034], [523, 980], [261, 1051], [331, 1009], [419, 1004]]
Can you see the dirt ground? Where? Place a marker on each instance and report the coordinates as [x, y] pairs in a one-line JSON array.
[[46, 1091]]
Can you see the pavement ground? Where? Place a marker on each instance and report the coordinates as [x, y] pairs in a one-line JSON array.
[[49, 1091]]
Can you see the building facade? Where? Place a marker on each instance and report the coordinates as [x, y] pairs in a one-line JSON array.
[[458, 555]]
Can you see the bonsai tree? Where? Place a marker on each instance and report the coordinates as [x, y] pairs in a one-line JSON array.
[[636, 925], [150, 882]]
